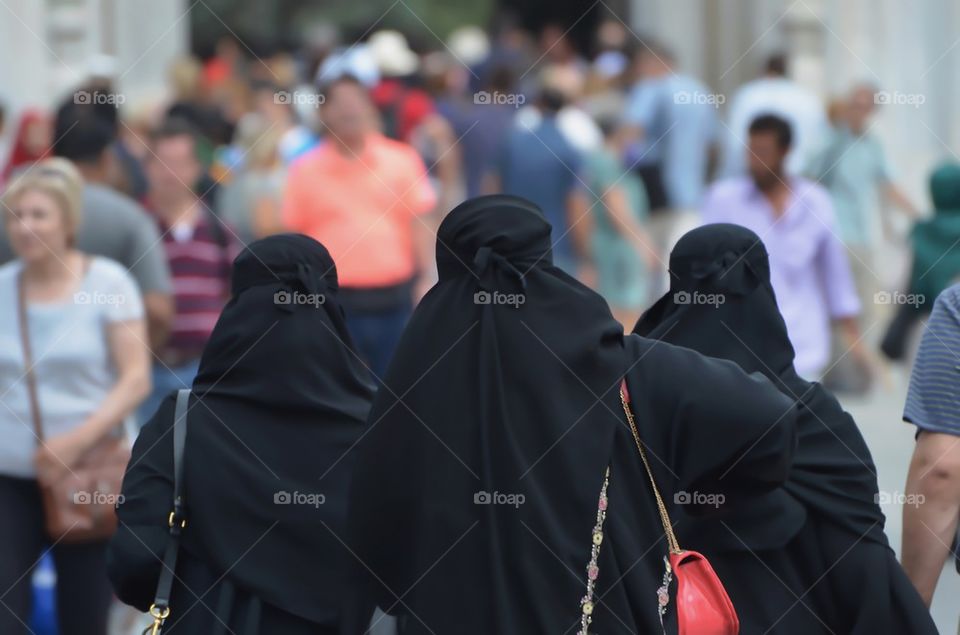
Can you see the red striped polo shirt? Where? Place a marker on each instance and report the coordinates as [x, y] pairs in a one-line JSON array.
[[200, 267]]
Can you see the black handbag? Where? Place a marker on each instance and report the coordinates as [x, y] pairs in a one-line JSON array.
[[177, 521]]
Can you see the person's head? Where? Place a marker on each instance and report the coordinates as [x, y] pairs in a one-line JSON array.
[[41, 210], [550, 101], [259, 140], [501, 78], [770, 138], [860, 106], [228, 49], [945, 187], [172, 166], [612, 35], [556, 45], [617, 133], [185, 76], [32, 139], [721, 302], [653, 59], [87, 141], [273, 103], [347, 110], [837, 111], [284, 295], [776, 65], [37, 133]]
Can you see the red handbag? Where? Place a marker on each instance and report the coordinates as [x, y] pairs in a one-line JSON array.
[[703, 606]]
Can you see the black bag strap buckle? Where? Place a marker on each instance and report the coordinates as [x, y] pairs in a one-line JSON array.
[[176, 521]]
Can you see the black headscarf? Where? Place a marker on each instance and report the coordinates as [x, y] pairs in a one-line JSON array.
[[279, 400], [284, 296], [505, 378], [721, 304]]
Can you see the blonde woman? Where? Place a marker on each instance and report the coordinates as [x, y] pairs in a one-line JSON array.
[[86, 334]]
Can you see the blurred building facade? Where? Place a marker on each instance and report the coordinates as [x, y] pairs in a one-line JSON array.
[[909, 50], [51, 46], [904, 48]]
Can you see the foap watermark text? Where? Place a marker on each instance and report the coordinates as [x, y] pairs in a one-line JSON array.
[[498, 498], [496, 297], [699, 498], [299, 297], [698, 297], [299, 498]]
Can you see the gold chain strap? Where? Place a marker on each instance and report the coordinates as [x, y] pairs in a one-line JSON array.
[[664, 517]]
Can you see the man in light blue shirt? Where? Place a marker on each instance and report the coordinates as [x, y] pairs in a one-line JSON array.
[[854, 168], [541, 165], [677, 115]]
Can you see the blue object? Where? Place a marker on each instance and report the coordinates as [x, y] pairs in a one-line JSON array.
[[43, 620]]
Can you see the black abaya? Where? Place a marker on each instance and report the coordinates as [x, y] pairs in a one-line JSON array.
[[811, 556]]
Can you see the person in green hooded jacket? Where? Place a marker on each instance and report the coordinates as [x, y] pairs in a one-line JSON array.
[[936, 258]]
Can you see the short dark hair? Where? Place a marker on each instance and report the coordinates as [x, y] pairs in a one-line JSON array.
[[551, 100], [501, 77], [776, 65], [172, 127], [775, 124], [655, 48], [82, 137]]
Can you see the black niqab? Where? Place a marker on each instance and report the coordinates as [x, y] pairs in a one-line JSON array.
[[505, 377], [833, 469], [279, 400], [721, 304]]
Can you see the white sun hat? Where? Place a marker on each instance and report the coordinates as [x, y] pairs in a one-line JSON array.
[[469, 44], [392, 53]]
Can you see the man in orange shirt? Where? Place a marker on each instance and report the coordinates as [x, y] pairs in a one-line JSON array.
[[367, 198]]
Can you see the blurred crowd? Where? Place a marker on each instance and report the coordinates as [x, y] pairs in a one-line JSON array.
[[136, 212]]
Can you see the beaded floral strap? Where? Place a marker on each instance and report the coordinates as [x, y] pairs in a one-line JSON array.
[[593, 569]]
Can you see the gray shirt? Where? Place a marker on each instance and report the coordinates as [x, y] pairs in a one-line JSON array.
[[933, 399], [72, 359], [117, 227]]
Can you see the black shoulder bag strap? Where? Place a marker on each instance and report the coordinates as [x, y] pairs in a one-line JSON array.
[[177, 521]]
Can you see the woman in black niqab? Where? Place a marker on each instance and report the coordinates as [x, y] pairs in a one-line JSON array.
[[279, 400], [811, 556], [477, 486]]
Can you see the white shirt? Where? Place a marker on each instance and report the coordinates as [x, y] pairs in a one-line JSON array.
[[72, 361], [577, 127]]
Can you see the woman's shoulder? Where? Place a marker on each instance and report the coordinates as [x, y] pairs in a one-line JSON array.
[[122, 297], [107, 271], [107, 267], [656, 352]]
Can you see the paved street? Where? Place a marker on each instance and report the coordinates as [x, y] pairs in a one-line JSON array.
[[891, 442]]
